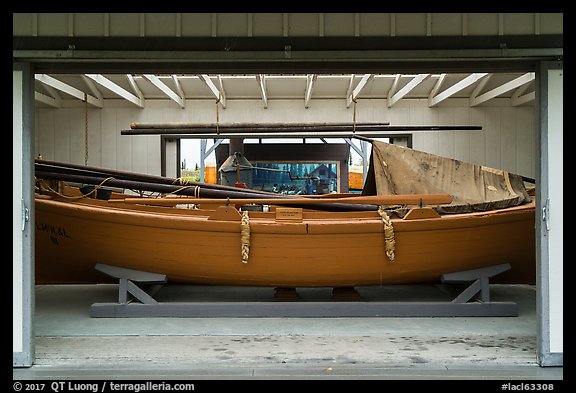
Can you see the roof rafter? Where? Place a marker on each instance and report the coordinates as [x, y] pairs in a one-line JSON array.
[[310, 79], [394, 86], [219, 94], [506, 87], [350, 85], [516, 101], [354, 94], [436, 88], [71, 90], [113, 87], [178, 87], [165, 89], [455, 88], [519, 98], [92, 87], [135, 87], [52, 101], [261, 79], [407, 89]]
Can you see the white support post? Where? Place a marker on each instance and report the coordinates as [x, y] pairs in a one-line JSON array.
[[205, 153], [364, 148], [363, 153]]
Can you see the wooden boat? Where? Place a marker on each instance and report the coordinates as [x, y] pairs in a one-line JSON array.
[[286, 246]]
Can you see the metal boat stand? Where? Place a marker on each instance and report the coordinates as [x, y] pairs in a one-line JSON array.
[[473, 301]]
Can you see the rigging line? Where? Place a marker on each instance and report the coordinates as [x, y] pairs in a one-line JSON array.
[[217, 115], [85, 129], [354, 117], [96, 187]]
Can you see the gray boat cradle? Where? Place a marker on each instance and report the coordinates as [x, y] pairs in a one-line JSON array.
[[474, 300]]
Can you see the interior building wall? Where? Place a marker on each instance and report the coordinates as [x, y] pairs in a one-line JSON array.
[[507, 139]]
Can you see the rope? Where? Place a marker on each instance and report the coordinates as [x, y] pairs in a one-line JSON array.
[[196, 190], [389, 241], [85, 129], [245, 236], [354, 119], [47, 186], [217, 116]]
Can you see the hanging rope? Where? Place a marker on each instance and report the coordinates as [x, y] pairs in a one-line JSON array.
[[354, 118], [390, 243], [245, 236], [217, 115], [85, 129]]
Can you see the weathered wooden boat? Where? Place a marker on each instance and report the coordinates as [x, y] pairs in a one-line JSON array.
[[412, 229]]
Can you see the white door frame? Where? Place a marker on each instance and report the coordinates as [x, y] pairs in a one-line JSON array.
[[549, 214], [549, 207], [22, 216]]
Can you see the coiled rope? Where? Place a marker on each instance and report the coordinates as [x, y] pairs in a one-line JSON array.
[[390, 242], [245, 236]]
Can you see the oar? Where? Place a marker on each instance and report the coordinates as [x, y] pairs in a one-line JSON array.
[[405, 199]]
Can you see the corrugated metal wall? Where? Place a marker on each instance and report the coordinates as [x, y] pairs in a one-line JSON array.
[[284, 24]]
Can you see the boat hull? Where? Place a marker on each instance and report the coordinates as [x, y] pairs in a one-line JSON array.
[[323, 250]]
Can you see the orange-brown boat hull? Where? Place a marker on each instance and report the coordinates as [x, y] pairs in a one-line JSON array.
[[324, 250]]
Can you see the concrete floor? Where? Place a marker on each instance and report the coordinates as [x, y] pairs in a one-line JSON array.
[[72, 345]]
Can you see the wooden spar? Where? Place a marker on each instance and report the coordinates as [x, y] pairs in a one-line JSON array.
[[340, 131], [194, 191], [406, 199], [44, 166], [146, 186], [256, 126]]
